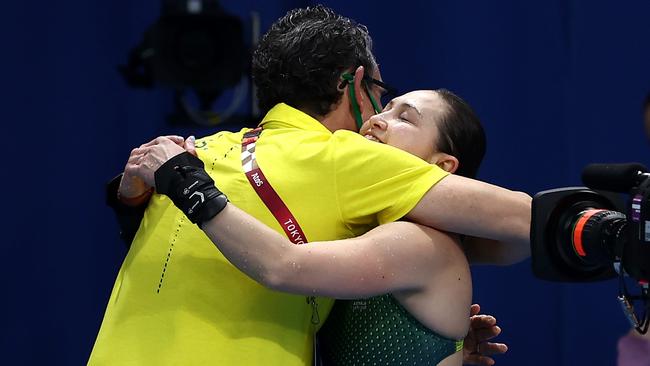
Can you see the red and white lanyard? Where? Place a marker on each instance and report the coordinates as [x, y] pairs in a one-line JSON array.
[[263, 188], [271, 199]]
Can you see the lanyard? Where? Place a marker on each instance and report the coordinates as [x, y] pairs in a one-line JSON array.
[[263, 188], [272, 201]]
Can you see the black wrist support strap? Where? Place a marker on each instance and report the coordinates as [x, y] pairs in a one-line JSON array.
[[183, 179]]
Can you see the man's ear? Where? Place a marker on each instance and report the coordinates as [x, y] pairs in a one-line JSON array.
[[448, 163], [358, 87]]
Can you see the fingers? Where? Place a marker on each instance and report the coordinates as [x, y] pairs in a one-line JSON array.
[[190, 145], [482, 328], [136, 155], [136, 161], [143, 150], [484, 334], [139, 152], [143, 162], [178, 140], [489, 348], [131, 169], [482, 321], [141, 170], [474, 309]]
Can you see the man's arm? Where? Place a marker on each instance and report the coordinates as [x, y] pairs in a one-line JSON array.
[[466, 206]]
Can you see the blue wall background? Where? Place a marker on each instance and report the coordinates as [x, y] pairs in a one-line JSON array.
[[558, 84]]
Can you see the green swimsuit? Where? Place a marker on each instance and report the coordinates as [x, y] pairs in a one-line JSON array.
[[379, 331]]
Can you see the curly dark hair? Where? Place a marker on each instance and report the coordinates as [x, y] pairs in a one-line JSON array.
[[461, 134], [299, 61]]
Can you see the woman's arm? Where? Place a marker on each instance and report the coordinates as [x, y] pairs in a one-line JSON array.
[[392, 257], [471, 207]]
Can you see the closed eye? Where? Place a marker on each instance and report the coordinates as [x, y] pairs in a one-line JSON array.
[[404, 117]]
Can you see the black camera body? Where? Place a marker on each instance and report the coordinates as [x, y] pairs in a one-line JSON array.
[[585, 234], [552, 253]]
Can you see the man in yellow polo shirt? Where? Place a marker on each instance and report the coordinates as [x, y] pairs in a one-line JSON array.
[[177, 301]]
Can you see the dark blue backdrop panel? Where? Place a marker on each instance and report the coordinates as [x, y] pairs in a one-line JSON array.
[[557, 84]]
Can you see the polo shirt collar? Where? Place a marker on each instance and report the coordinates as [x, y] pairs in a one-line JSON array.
[[285, 116]]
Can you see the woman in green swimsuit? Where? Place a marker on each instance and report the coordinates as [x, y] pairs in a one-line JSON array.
[[423, 320], [413, 281]]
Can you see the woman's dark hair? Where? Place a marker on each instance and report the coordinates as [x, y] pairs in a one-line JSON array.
[[299, 61], [461, 134]]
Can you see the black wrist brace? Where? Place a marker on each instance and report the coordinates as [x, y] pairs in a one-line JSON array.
[[183, 179]]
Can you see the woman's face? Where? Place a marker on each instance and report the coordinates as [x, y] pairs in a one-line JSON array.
[[409, 122]]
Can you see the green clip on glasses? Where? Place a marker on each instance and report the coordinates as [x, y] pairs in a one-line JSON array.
[[387, 93]]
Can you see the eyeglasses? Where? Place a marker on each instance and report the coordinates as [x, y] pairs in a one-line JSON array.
[[386, 92]]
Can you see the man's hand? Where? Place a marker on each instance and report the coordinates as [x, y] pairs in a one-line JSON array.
[[139, 169], [476, 349]]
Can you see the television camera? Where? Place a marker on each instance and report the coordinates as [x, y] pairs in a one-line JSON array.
[[584, 234]]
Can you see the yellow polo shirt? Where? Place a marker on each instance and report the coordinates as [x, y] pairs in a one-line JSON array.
[[178, 301]]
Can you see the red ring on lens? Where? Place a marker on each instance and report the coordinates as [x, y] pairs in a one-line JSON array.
[[577, 231]]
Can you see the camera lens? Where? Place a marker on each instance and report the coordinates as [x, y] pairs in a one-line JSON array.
[[595, 235]]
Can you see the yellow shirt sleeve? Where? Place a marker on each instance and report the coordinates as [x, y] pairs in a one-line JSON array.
[[377, 183]]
